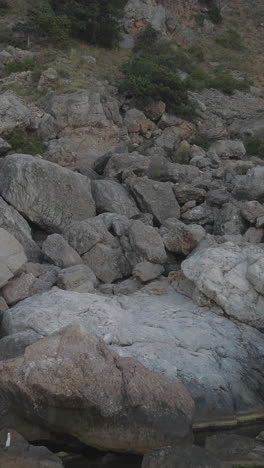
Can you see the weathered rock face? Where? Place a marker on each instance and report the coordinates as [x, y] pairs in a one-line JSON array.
[[55, 196], [12, 256], [13, 113], [138, 14], [79, 109], [155, 197], [112, 197], [169, 334], [231, 277], [88, 127], [104, 400]]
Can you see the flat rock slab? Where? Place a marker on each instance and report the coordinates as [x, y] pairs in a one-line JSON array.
[[220, 362]]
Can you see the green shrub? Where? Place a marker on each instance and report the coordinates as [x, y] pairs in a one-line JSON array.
[[255, 146], [199, 79], [26, 143], [152, 72], [45, 25], [224, 81], [23, 65], [202, 140], [215, 15], [95, 21], [231, 40], [145, 77], [4, 7], [200, 18], [214, 12], [197, 53]]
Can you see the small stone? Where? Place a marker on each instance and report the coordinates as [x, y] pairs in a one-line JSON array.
[[147, 271], [74, 277], [187, 192], [18, 288], [126, 287]]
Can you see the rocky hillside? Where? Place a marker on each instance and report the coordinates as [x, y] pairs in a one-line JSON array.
[[132, 244]]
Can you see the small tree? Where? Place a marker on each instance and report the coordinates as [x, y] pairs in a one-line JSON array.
[[96, 21]]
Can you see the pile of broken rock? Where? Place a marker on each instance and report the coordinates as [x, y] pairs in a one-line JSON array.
[[132, 290]]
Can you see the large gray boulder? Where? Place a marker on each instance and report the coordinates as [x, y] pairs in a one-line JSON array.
[[57, 250], [228, 149], [255, 275], [84, 235], [18, 288], [147, 12], [126, 164], [220, 362], [76, 277], [229, 220], [12, 256], [13, 113], [48, 195], [4, 147], [147, 243], [72, 384], [15, 224], [79, 109], [155, 197], [180, 238], [251, 185], [109, 196], [229, 276], [108, 264]]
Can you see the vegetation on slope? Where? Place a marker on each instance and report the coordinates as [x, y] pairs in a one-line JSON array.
[[95, 21]]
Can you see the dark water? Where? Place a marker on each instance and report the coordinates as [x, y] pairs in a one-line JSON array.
[[107, 461]]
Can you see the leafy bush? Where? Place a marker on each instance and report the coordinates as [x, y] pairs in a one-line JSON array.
[[255, 146], [219, 79], [4, 7], [231, 40], [214, 12], [45, 25], [95, 21], [202, 140], [197, 53], [25, 143], [224, 81], [23, 65], [152, 72]]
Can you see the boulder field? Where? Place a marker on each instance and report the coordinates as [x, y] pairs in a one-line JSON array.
[[131, 277]]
